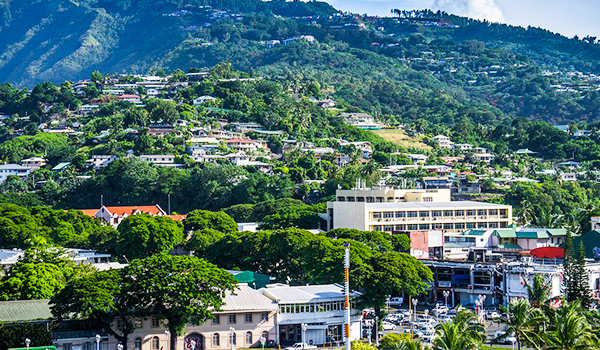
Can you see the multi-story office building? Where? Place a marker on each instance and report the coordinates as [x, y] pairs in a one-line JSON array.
[[389, 210]]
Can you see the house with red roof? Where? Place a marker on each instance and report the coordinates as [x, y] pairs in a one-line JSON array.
[[115, 214], [131, 98]]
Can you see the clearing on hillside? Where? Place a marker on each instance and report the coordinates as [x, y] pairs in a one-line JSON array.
[[400, 138]]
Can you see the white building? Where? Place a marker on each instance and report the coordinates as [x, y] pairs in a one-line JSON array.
[[200, 100], [484, 157], [443, 141], [100, 161], [462, 146], [7, 170], [321, 307], [159, 159], [388, 209], [34, 163]]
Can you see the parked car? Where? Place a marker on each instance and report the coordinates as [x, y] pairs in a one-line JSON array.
[[300, 346], [396, 301], [510, 339], [429, 338], [490, 315], [440, 310], [388, 326]]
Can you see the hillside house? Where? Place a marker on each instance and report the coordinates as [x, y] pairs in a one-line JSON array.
[[484, 157], [462, 146], [443, 141], [7, 170], [159, 159], [34, 163], [131, 98], [113, 215], [200, 100], [100, 161]]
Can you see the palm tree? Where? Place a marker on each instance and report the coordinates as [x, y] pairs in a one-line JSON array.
[[571, 330], [463, 333], [407, 344], [522, 320], [539, 291]]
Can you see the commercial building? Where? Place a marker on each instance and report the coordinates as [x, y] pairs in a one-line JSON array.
[[320, 307], [390, 210]]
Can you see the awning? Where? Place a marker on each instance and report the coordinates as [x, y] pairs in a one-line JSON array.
[[461, 279]]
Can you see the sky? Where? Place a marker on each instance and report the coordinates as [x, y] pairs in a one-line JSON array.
[[569, 18]]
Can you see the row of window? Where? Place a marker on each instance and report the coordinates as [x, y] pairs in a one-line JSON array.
[[216, 341], [437, 213], [86, 346], [313, 307], [440, 226], [232, 318]]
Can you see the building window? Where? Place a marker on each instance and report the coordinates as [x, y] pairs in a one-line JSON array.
[[155, 343], [423, 214], [265, 335], [232, 318], [66, 346], [400, 227], [400, 214], [448, 213], [119, 324], [377, 228], [412, 214], [137, 323], [436, 213], [470, 212], [493, 211], [388, 215], [482, 225], [503, 212], [470, 225], [341, 199], [137, 345], [493, 225], [482, 212], [459, 226], [436, 226], [388, 228], [155, 322], [427, 199], [248, 317], [448, 226], [413, 227], [216, 319], [216, 341], [459, 213], [264, 316], [350, 199], [503, 224], [248, 337], [423, 226], [376, 215], [232, 340], [87, 346]]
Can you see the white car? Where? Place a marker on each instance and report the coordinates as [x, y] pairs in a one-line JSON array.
[[396, 301], [440, 310], [490, 315], [429, 338], [388, 326], [510, 339]]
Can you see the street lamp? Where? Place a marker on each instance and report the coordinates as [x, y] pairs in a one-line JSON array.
[[415, 301], [376, 330], [303, 326], [446, 295], [98, 339], [232, 330], [167, 337], [119, 346], [27, 342]]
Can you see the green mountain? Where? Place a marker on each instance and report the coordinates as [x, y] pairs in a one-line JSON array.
[[419, 64]]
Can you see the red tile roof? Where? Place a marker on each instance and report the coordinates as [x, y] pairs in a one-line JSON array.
[[88, 212], [240, 140], [177, 217], [130, 210], [129, 96]]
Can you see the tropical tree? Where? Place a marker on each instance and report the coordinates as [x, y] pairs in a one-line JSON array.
[[571, 330], [539, 291], [464, 332], [179, 289], [522, 320]]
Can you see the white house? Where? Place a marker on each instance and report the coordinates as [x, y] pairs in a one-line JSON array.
[[485, 157], [100, 161], [443, 141], [462, 146], [159, 159], [200, 100], [7, 170], [34, 163]]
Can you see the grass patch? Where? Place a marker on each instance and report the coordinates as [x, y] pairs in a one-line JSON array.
[[400, 138]]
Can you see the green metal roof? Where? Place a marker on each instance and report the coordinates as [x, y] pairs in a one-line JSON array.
[[24, 310], [558, 231], [473, 232], [505, 233], [61, 166], [532, 234], [509, 246]]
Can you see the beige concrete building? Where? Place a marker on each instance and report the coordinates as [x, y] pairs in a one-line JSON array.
[[387, 209], [250, 314]]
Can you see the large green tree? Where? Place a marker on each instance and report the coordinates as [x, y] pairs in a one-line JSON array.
[[179, 289], [101, 297], [142, 235], [464, 332]]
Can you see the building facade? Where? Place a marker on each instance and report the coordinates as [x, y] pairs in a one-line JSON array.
[[389, 210]]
